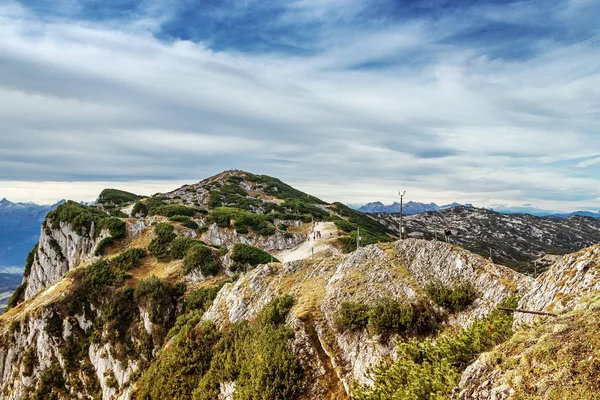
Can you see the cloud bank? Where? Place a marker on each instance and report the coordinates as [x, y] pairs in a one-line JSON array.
[[487, 102]]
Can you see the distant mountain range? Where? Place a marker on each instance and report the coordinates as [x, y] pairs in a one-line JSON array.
[[20, 225], [409, 208], [413, 207]]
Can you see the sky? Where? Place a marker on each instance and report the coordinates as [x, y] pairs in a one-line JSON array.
[[488, 102]]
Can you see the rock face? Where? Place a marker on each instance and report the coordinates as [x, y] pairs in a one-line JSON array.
[[334, 357], [563, 285], [539, 361], [227, 237], [59, 251]]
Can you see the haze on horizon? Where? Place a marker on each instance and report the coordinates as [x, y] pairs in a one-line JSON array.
[[489, 102]]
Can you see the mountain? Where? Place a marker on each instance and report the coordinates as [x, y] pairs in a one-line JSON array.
[[408, 208], [515, 240], [20, 225], [223, 289]]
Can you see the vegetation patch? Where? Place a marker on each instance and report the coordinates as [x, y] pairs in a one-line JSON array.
[[181, 245], [171, 210], [203, 258], [389, 316], [128, 259], [116, 197], [241, 220], [431, 369], [139, 209], [255, 355], [185, 221], [245, 255], [160, 246], [31, 257], [455, 298]]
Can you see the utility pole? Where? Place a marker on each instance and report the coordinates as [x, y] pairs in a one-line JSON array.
[[401, 227]]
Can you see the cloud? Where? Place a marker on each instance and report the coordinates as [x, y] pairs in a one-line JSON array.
[[318, 93]]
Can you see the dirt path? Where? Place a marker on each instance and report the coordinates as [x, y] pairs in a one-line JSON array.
[[305, 250]]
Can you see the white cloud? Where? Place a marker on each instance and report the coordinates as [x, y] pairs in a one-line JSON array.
[[448, 120]]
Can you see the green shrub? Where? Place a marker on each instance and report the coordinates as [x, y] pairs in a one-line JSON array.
[[455, 298], [116, 227], [115, 196], [200, 299], [54, 325], [129, 259], [99, 275], [346, 244], [185, 221], [282, 227], [180, 246], [153, 203], [431, 369], [243, 254], [56, 249], [389, 316], [79, 216], [156, 297], [139, 209], [201, 257], [276, 311], [353, 315], [51, 384], [17, 297], [241, 220], [103, 245], [171, 210], [159, 247], [179, 368], [29, 361], [30, 260]]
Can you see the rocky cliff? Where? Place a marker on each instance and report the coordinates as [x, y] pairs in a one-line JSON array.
[[549, 357]]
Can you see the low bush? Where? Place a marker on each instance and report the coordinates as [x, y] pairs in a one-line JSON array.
[[30, 260], [171, 210], [244, 255], [17, 296], [185, 221], [129, 259], [255, 355], [156, 298], [455, 298], [242, 220], [181, 245], [431, 369], [99, 275], [389, 316], [115, 196], [29, 361], [200, 257], [200, 299], [159, 247], [139, 209], [353, 315], [103, 245]]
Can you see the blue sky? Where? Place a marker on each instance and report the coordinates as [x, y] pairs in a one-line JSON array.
[[489, 102]]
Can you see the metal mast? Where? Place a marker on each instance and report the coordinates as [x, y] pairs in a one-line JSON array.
[[401, 199]]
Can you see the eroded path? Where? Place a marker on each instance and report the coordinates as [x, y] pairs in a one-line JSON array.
[[305, 250]]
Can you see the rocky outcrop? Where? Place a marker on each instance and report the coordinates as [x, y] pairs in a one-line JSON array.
[[59, 251], [334, 357], [228, 237], [563, 285], [547, 347]]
